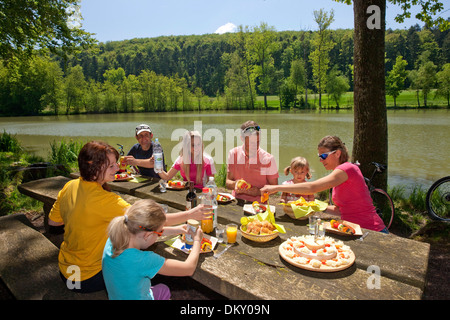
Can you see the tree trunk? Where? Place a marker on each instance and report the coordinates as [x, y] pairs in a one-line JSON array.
[[370, 118]]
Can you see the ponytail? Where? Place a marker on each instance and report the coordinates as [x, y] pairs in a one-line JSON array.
[[144, 214], [119, 234]]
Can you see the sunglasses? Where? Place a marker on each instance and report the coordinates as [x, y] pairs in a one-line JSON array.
[[147, 229], [325, 155], [251, 130]]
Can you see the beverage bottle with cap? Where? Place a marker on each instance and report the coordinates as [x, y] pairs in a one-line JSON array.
[[206, 199], [158, 156], [122, 165], [211, 185], [191, 197]]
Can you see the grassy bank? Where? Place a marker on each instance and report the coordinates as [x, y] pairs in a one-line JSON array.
[[411, 219], [406, 99]]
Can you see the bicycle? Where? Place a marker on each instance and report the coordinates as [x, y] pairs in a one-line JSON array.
[[438, 200], [381, 200]]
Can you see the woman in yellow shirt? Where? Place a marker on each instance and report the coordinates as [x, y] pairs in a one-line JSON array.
[[85, 206]]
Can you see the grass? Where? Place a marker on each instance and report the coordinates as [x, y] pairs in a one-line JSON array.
[[406, 99]]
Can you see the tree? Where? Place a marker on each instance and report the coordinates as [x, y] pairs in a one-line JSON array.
[[423, 78], [337, 84], [297, 76], [396, 78], [443, 79], [74, 88], [370, 142], [323, 44], [241, 43], [262, 45], [26, 26]]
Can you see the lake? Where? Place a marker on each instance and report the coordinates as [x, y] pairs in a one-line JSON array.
[[418, 139]]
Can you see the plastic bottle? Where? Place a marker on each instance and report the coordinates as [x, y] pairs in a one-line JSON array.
[[211, 185], [206, 199], [158, 156]]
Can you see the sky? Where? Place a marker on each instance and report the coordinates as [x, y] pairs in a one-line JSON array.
[[115, 20]]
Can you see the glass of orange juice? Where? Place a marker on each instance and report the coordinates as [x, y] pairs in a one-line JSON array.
[[231, 232]]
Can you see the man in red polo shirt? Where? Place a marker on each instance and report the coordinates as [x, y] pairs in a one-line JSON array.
[[251, 163]]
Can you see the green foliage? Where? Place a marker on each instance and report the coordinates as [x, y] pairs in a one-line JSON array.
[[26, 25], [65, 153], [9, 143], [396, 78], [218, 71], [221, 176], [323, 44]]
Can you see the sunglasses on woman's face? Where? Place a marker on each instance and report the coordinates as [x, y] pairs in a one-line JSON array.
[[325, 155]]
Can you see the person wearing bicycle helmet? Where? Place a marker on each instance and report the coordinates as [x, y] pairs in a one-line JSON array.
[[350, 193]]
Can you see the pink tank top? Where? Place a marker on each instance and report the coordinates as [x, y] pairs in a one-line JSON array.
[[354, 201]]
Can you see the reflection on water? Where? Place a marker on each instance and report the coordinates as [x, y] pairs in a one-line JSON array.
[[418, 140]]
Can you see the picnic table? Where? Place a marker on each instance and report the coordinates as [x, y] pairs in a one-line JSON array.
[[251, 270]]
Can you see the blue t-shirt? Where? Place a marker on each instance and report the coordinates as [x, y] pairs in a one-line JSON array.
[[138, 153], [127, 276]]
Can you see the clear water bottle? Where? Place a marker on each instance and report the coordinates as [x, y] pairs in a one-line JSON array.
[[211, 185], [158, 156]]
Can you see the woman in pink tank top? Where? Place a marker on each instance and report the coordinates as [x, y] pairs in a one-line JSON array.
[[350, 193]]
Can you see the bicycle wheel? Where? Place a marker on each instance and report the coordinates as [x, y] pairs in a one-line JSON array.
[[383, 205], [438, 200]]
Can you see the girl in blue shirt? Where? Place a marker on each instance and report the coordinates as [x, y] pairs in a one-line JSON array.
[[127, 270]]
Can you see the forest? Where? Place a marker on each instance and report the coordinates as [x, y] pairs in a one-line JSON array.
[[228, 71]]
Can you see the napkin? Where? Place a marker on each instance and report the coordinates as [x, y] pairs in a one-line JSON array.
[[301, 211]]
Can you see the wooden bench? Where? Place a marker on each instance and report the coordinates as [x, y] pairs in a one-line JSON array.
[[29, 263], [28, 260]]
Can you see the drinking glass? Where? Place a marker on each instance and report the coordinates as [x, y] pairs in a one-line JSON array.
[[231, 232], [219, 234], [312, 224], [162, 185]]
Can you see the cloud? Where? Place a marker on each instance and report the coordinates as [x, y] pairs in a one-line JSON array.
[[228, 27]]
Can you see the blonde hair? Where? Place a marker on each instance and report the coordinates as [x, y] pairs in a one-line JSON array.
[[298, 163], [186, 156], [333, 143], [142, 214]]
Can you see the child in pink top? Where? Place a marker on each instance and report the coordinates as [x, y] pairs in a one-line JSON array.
[[192, 163], [207, 170], [299, 168]]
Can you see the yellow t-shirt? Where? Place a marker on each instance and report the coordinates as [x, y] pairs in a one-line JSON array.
[[86, 210]]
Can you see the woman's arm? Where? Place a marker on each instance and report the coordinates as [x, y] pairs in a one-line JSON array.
[[332, 180], [200, 212]]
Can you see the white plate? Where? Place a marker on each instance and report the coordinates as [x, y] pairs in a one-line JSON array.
[[249, 208], [229, 195], [178, 243]]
